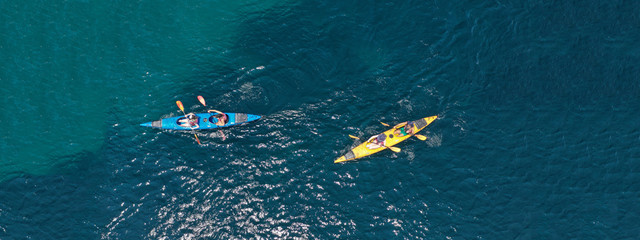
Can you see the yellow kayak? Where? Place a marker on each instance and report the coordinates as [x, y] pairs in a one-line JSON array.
[[388, 138]]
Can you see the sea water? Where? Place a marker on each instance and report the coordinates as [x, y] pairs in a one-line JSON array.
[[537, 135]]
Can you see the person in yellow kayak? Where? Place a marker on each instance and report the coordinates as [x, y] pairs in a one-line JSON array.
[[403, 129], [190, 121], [376, 141]]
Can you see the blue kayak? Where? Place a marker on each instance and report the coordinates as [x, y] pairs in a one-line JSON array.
[[205, 121]]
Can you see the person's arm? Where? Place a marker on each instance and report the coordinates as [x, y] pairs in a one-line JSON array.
[[400, 125], [378, 144], [212, 110]]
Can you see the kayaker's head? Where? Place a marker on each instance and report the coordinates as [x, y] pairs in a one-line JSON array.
[[381, 137], [409, 126], [222, 117], [192, 116]]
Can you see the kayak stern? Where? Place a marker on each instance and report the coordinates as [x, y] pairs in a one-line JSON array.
[[154, 124]]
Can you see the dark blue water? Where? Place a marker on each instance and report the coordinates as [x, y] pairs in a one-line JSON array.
[[537, 137]]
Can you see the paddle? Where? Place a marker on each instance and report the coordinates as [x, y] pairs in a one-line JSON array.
[[182, 109], [421, 137], [395, 149], [201, 99]]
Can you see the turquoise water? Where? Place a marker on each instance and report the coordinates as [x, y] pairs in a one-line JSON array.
[[537, 136], [75, 67]]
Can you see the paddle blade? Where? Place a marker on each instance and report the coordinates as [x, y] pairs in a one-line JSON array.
[[384, 124], [197, 140], [354, 137], [180, 105], [201, 99], [421, 137], [395, 149], [224, 137]]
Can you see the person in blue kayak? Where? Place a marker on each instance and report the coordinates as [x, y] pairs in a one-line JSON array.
[[376, 141], [403, 129], [190, 121], [222, 118]]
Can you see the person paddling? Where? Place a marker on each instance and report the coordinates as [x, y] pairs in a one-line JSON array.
[[190, 121], [222, 118], [403, 129], [376, 141]]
